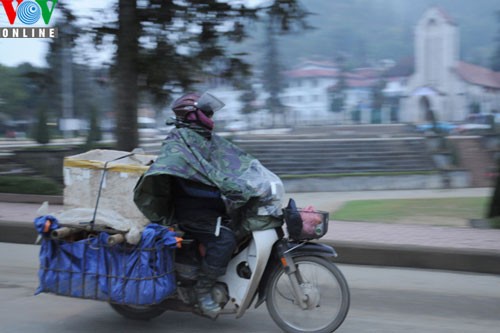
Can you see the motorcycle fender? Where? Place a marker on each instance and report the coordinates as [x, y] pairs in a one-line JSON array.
[[312, 249], [296, 250]]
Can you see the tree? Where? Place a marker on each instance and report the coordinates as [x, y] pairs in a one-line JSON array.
[[248, 98], [37, 82], [127, 75], [55, 83], [94, 134], [42, 134], [494, 207], [495, 59], [186, 41], [338, 96], [378, 98], [13, 93], [53, 91], [272, 74], [276, 23], [338, 92]]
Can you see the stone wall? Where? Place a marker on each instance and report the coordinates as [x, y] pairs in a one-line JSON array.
[[450, 179]]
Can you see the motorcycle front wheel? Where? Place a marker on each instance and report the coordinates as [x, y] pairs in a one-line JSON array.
[[138, 312], [326, 291]]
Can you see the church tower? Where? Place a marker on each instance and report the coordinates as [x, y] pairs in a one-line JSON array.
[[436, 46], [431, 87]]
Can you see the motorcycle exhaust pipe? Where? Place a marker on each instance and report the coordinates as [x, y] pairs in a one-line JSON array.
[[115, 239], [63, 232]]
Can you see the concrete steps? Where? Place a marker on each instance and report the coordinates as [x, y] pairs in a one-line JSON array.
[[295, 157]]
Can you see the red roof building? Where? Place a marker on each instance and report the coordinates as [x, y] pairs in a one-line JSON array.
[[477, 75], [310, 85]]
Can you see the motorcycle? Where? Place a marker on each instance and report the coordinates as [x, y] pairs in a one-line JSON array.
[[303, 289]]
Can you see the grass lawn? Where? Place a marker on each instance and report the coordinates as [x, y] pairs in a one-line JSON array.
[[29, 185], [431, 211]]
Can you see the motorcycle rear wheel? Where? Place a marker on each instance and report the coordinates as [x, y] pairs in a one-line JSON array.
[[138, 312], [325, 288]]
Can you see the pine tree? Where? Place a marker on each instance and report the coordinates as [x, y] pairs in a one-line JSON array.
[[94, 134], [272, 78], [495, 59], [378, 101], [494, 207], [42, 134], [338, 95], [248, 98], [185, 42], [127, 75]]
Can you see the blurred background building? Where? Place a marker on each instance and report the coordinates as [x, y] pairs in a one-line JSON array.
[[434, 79], [441, 81], [315, 88]]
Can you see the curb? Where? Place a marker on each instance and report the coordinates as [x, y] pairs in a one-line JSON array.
[[470, 260], [354, 253], [18, 232], [31, 198]]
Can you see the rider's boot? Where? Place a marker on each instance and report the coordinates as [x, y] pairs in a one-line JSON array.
[[203, 288]]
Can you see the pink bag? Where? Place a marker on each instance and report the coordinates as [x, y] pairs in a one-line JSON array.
[[310, 219]]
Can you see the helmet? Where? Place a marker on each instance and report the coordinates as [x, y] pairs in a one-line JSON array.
[[196, 108], [185, 104]]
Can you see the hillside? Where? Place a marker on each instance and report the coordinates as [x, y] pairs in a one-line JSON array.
[[370, 30]]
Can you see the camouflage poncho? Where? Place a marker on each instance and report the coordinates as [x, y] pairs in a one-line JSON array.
[[249, 190]]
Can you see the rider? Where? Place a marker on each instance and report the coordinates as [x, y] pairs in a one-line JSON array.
[[210, 188], [200, 210]]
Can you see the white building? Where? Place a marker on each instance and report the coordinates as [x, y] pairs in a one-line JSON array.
[[440, 81], [434, 79], [306, 91]]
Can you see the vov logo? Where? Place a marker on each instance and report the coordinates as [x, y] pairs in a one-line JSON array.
[[29, 12], [25, 13]]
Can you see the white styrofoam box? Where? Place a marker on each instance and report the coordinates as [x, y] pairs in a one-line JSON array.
[[82, 179]]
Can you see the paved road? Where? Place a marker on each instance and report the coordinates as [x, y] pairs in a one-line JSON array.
[[412, 245], [383, 300]]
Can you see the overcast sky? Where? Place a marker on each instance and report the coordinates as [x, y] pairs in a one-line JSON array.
[[16, 51]]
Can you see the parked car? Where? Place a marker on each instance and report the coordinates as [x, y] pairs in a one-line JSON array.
[[442, 126], [476, 123], [468, 128]]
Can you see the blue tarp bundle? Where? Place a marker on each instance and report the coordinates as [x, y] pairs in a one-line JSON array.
[[89, 268]]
